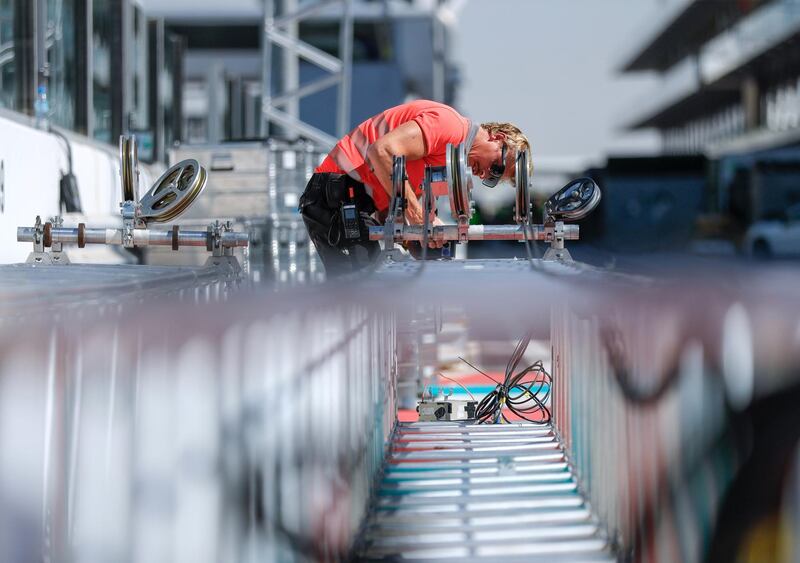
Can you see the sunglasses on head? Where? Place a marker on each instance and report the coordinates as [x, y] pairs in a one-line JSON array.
[[496, 171]]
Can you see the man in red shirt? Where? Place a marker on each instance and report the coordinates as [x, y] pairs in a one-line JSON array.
[[358, 171]]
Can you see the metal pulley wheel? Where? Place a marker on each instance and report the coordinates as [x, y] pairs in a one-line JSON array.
[[459, 182], [399, 175], [574, 201], [522, 209], [129, 167], [173, 192]]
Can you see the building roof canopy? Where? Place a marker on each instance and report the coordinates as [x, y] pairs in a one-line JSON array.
[[687, 31]]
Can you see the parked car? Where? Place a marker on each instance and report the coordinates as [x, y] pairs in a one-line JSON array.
[[775, 237]]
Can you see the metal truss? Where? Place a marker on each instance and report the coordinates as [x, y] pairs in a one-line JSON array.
[[282, 109]]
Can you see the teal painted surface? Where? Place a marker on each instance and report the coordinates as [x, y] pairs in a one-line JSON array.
[[476, 390]]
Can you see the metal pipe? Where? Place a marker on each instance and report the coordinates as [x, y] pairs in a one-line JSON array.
[[290, 75], [266, 64], [141, 237], [476, 232], [305, 50], [304, 12], [346, 56]]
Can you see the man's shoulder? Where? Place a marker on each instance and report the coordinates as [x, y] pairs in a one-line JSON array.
[[423, 106]]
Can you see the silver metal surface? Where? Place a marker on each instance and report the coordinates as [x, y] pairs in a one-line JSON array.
[[445, 511], [27, 290]]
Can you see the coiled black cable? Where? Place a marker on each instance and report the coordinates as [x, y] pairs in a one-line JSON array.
[[525, 399]]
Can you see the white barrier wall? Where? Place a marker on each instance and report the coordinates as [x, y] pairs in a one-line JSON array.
[[31, 164]]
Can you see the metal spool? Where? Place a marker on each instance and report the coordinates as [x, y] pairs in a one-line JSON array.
[[459, 182], [522, 209], [574, 201], [174, 191], [129, 167]]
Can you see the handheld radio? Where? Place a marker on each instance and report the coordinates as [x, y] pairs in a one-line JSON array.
[[350, 219]]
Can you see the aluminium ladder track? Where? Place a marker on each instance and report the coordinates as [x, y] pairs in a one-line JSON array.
[[453, 491]]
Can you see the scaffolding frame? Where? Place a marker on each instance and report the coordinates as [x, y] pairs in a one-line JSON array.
[[283, 108]]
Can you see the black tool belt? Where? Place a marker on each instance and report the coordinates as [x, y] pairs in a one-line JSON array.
[[322, 202]]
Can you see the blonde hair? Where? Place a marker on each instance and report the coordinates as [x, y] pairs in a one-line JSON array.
[[515, 139]]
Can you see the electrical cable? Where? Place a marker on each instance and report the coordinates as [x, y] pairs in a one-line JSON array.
[[525, 399], [440, 374], [67, 144], [425, 224], [68, 185], [479, 371], [611, 338], [524, 225]]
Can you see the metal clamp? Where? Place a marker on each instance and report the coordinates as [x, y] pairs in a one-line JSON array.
[[130, 222], [42, 238], [215, 239], [555, 234]]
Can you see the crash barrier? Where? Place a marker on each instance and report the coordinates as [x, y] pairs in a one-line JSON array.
[[247, 432], [677, 411]]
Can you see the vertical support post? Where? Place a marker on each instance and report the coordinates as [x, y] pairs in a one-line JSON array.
[[25, 54], [266, 64], [40, 45], [119, 64], [291, 68], [215, 80], [346, 55], [83, 68], [235, 108], [751, 102], [438, 70], [178, 47], [252, 115], [156, 96]]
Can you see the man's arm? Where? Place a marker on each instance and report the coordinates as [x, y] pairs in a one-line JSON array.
[[406, 140]]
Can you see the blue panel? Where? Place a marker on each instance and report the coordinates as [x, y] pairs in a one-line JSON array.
[[651, 213], [376, 86]]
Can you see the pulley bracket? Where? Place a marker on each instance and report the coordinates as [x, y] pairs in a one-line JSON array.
[[573, 202], [170, 196]]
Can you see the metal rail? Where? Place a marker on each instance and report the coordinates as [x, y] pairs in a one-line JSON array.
[[141, 237], [475, 232], [444, 497]]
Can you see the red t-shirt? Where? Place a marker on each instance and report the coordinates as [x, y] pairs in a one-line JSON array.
[[440, 125]]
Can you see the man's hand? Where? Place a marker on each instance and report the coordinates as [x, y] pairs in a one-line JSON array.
[[434, 243]]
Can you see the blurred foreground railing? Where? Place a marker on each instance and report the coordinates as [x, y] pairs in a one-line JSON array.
[[679, 414], [178, 433]]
